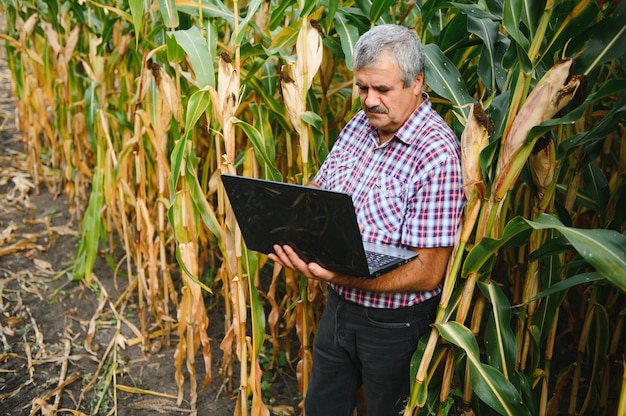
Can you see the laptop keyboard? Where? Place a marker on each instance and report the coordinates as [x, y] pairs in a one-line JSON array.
[[378, 259]]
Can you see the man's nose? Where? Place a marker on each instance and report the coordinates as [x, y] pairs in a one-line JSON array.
[[372, 99]]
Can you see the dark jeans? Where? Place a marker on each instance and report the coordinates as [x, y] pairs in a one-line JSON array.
[[355, 346]]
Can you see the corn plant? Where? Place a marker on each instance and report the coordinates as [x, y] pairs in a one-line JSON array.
[[134, 111]]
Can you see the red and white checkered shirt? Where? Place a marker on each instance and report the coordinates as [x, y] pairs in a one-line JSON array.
[[407, 192]]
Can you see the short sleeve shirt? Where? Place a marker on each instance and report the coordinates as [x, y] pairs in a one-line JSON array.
[[407, 192]]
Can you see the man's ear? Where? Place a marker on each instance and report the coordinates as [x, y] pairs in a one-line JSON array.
[[418, 84]]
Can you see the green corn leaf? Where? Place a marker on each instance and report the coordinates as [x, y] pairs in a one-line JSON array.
[[378, 8], [215, 9], [419, 391], [511, 20], [475, 11], [544, 317], [365, 6], [201, 59], [499, 338], [597, 133], [487, 382], [597, 187], [267, 162], [516, 233], [603, 249], [91, 111], [190, 275], [348, 34], [136, 11], [257, 314], [92, 225], [487, 31], [607, 43], [202, 207], [307, 7], [567, 284], [571, 22], [253, 6], [169, 13], [445, 80], [277, 16], [196, 106]]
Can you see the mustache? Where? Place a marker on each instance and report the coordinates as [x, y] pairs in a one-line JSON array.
[[379, 109]]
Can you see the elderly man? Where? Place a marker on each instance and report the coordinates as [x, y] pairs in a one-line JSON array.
[[401, 164]]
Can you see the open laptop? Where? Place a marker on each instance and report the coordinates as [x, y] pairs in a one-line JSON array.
[[319, 224]]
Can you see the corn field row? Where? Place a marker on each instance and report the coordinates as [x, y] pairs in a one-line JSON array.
[[133, 110]]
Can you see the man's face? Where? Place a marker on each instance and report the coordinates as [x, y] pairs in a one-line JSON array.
[[385, 100]]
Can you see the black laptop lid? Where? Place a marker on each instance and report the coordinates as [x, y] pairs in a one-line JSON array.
[[320, 224]]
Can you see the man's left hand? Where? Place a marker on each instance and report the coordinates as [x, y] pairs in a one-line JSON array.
[[287, 257]]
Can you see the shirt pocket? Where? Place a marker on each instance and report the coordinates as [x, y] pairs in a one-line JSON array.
[[340, 171], [386, 207]]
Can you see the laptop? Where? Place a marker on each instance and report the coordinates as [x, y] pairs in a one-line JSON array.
[[320, 225]]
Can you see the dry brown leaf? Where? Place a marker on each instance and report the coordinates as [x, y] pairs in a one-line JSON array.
[[43, 265], [7, 235]]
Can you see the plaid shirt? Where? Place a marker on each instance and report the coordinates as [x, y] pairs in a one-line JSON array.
[[407, 191]]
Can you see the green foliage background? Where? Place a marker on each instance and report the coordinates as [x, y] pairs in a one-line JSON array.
[[133, 109]]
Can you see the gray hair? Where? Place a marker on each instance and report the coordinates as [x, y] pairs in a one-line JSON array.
[[400, 41]]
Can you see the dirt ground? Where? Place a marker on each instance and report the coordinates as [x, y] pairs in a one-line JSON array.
[[50, 363]]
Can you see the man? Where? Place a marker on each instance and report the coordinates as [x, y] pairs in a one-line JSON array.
[[401, 164]]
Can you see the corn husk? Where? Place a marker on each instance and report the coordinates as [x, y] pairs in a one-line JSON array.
[[542, 164], [553, 92], [474, 139], [292, 97], [228, 97], [296, 79], [167, 89], [309, 52]]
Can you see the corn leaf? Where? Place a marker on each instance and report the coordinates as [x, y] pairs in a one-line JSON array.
[[92, 226], [567, 284], [267, 162], [597, 187], [253, 6], [91, 111], [136, 11], [201, 59], [515, 233], [603, 249], [378, 8], [445, 80], [487, 382], [511, 20], [215, 9], [487, 31], [202, 206], [196, 107], [188, 273], [277, 17], [548, 309], [597, 133], [499, 338], [348, 34], [257, 313], [169, 13], [607, 43], [107, 9]]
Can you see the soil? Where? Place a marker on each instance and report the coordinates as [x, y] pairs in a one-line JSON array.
[[50, 361]]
